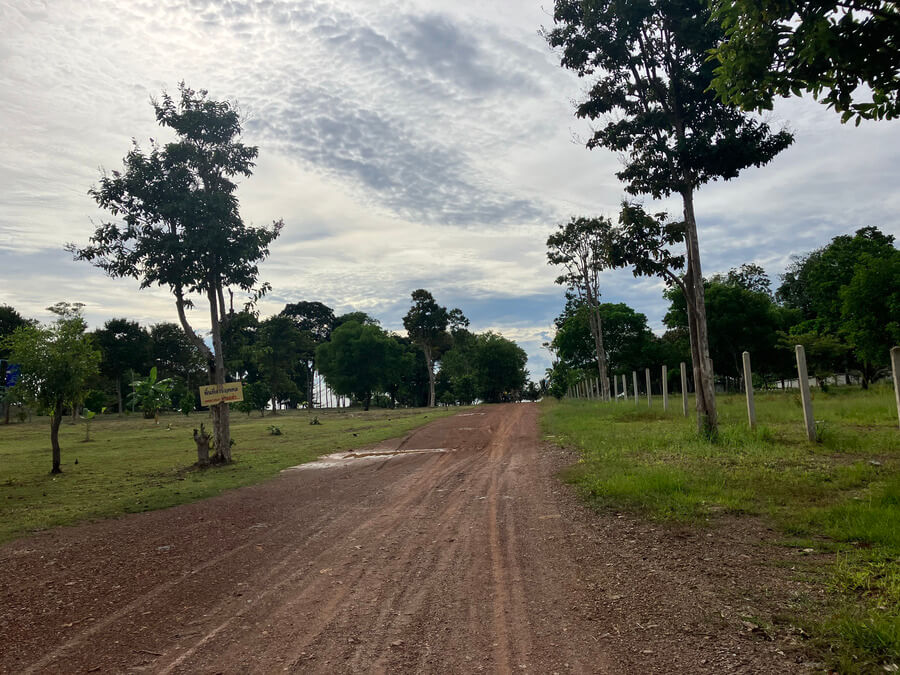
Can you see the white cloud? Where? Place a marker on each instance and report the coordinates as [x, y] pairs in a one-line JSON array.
[[407, 144]]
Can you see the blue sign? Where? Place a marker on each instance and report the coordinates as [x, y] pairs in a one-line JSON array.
[[13, 370]]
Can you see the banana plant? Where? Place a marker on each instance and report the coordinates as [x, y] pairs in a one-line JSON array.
[[87, 416], [151, 394]]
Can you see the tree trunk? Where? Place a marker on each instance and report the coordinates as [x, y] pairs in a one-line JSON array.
[[220, 411], [707, 420], [119, 392], [368, 400], [600, 353], [55, 421], [427, 350], [202, 440]]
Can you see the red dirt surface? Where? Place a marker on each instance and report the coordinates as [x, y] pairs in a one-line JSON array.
[[474, 559]]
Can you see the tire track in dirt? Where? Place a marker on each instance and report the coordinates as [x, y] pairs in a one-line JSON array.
[[276, 609]]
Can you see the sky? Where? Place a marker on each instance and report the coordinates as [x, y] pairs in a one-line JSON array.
[[417, 144]]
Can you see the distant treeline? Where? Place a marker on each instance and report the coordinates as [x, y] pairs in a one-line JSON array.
[[841, 302], [277, 359]]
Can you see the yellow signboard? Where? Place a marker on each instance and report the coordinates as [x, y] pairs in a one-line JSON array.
[[229, 392]]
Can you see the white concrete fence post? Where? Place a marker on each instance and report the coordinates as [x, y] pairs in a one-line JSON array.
[[649, 393], [748, 388], [634, 381], [615, 389], [665, 387], [805, 396], [624, 389], [895, 370], [684, 391]]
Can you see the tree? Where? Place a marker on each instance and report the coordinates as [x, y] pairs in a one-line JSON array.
[[256, 397], [317, 320], [581, 247], [279, 355], [458, 362], [740, 320], [175, 354], [10, 320], [652, 94], [499, 368], [125, 346], [748, 276], [359, 360], [180, 224], [844, 52], [240, 335], [413, 386], [627, 341], [871, 309], [152, 394], [813, 283], [56, 362], [426, 323]]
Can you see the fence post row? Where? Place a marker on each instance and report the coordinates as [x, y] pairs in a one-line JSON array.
[[805, 395], [590, 388], [748, 388]]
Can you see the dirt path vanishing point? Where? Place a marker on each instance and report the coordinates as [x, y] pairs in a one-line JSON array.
[[471, 557]]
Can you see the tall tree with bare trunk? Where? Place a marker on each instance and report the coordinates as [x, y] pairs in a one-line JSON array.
[[178, 223], [651, 93], [426, 323], [581, 248]]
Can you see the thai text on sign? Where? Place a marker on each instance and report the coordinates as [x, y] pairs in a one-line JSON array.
[[229, 392]]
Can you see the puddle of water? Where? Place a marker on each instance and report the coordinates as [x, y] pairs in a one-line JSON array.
[[360, 457]]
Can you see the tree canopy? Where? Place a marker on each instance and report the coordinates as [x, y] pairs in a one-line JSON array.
[[125, 346], [56, 363], [500, 368], [359, 360], [870, 308], [426, 324], [845, 53]]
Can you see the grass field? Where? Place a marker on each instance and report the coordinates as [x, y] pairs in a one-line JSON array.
[[840, 496], [133, 465]]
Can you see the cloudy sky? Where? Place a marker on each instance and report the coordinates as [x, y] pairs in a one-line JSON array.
[[415, 144]]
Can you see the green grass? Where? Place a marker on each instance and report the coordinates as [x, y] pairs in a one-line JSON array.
[[841, 495], [133, 465]]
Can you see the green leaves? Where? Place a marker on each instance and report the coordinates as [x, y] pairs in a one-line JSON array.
[[652, 93], [151, 394], [178, 220], [56, 360], [840, 52]]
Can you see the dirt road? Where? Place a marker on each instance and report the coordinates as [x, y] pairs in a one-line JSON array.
[[468, 557]]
